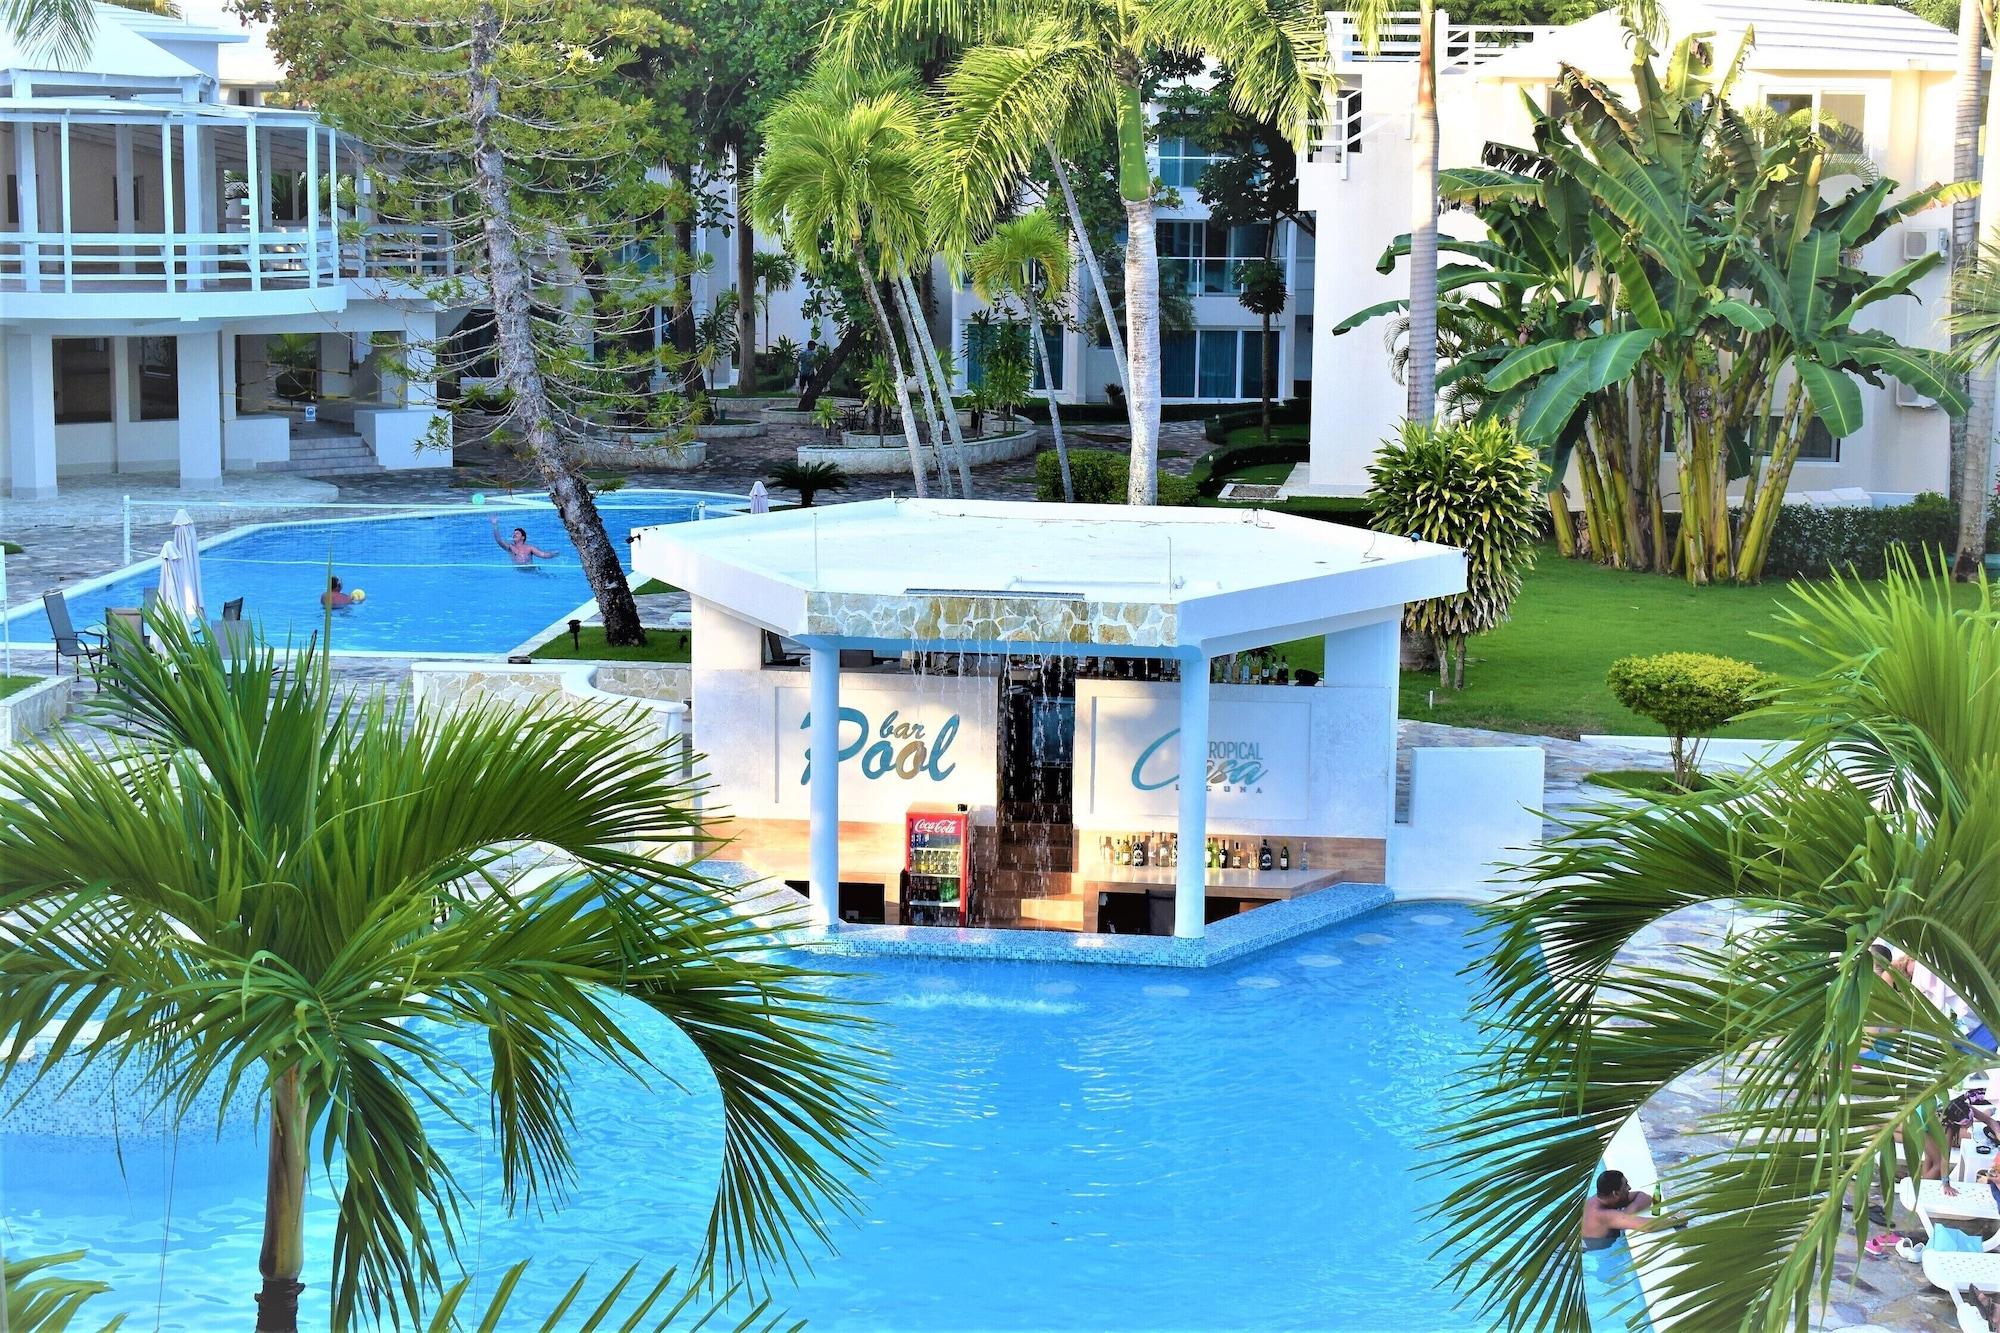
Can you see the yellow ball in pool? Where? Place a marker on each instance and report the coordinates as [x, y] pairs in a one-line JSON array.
[[361, 594]]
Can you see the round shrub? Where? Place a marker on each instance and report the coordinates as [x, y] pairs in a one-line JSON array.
[[1690, 694], [1100, 477]]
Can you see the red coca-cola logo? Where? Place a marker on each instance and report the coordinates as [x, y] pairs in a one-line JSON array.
[[934, 826]]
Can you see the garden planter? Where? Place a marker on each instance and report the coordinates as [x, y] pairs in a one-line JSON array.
[[34, 710], [643, 453]]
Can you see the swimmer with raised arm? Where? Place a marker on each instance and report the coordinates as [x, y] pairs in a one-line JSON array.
[[523, 551]]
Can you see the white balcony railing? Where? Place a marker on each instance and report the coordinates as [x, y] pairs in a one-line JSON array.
[[84, 263], [1459, 45], [159, 264]]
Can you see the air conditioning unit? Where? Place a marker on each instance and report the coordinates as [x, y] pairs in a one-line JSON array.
[[1909, 397], [1921, 241]]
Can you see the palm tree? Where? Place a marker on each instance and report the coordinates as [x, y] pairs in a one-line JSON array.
[[263, 888], [63, 28], [1078, 68], [847, 164], [775, 272], [1882, 825], [1029, 258], [1975, 239]]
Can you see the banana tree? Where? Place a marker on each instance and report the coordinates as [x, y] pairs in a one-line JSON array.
[[1659, 274]]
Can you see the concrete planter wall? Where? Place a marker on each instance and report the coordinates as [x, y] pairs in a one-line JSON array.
[[788, 413], [753, 403], [642, 453], [733, 430], [866, 458], [34, 710]]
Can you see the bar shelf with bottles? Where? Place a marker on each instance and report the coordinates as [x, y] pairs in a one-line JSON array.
[[1240, 867]]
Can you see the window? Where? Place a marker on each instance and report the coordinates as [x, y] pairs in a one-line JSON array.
[[1214, 363], [1849, 109], [1182, 162], [1010, 337], [1204, 255], [1818, 445], [156, 378], [1253, 365], [83, 380]]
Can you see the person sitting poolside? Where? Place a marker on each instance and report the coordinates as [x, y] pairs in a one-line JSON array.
[[523, 552], [333, 599], [1613, 1210]]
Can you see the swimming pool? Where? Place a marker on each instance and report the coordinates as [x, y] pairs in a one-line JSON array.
[[435, 581], [1070, 1147]]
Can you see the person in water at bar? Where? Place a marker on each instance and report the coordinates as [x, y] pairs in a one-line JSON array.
[[1613, 1210], [519, 547], [333, 599]]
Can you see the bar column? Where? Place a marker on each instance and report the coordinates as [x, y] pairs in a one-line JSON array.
[[1191, 874], [823, 758]]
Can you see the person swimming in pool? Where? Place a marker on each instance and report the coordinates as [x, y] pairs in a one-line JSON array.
[[1613, 1210], [519, 547], [333, 599]]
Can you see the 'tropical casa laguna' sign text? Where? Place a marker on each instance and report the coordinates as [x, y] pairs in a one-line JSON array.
[[1259, 766], [1233, 765]]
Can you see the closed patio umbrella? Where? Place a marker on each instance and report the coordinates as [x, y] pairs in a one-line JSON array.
[[177, 594], [189, 548], [760, 499]]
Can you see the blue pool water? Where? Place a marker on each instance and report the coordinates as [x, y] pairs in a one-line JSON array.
[[1070, 1148], [436, 583]]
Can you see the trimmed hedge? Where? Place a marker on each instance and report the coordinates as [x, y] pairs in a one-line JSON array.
[[1291, 412], [1100, 477], [1812, 543], [1105, 413], [1210, 472]]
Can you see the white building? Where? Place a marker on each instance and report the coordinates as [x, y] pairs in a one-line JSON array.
[[161, 227], [1217, 360], [1874, 67]]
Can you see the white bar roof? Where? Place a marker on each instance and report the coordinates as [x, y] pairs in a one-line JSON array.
[[1024, 576]]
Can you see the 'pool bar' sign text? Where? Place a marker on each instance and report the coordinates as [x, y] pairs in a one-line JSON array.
[[904, 740], [899, 749]]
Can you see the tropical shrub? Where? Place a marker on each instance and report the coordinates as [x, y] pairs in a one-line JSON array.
[[1472, 485], [881, 389], [809, 479], [1879, 826], [1007, 384], [1692, 695], [1665, 279], [1100, 477]]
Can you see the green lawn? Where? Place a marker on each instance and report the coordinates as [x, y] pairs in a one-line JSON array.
[[1543, 671], [662, 645], [15, 684], [1297, 430]]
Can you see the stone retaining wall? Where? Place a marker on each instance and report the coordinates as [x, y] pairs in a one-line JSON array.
[[641, 457], [866, 458], [34, 710]]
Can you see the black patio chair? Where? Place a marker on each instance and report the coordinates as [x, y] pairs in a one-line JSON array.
[[72, 642], [233, 609]]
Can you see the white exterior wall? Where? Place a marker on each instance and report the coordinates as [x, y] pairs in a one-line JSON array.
[[1365, 203]]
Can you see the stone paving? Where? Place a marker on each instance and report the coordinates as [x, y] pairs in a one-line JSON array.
[[79, 536]]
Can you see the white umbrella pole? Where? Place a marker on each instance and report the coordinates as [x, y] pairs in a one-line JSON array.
[[6, 661]]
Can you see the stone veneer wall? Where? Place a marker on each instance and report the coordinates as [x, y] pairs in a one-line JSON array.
[[35, 709], [936, 620]]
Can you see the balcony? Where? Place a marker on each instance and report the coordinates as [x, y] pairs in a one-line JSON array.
[[136, 208], [1459, 45]]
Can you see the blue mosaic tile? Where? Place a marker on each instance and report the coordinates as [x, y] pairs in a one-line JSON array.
[[1226, 941]]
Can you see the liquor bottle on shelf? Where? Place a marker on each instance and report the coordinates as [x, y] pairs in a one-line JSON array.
[[1305, 860], [1235, 856], [1284, 856], [1139, 851], [1264, 859], [1124, 853], [1104, 852]]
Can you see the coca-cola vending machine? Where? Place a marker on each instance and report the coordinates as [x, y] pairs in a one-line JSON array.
[[937, 866]]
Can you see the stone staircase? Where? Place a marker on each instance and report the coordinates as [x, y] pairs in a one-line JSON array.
[[327, 456], [1032, 885]]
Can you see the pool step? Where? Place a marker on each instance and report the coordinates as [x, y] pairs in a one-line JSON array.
[[327, 456]]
